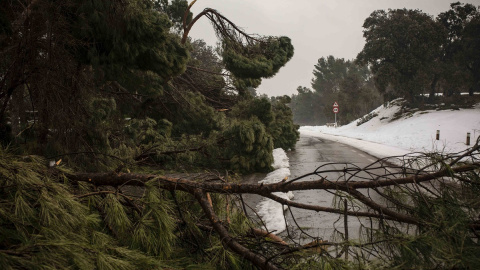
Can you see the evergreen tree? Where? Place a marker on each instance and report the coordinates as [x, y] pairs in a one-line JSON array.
[[344, 82], [110, 86], [460, 70], [307, 107], [402, 47], [472, 46], [328, 73], [249, 58], [284, 131], [270, 123], [261, 60], [118, 66]]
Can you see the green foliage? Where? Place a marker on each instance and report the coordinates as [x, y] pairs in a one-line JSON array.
[[284, 132], [276, 117], [119, 71], [111, 61], [148, 131], [153, 232], [246, 83], [195, 116], [175, 11], [401, 47], [104, 85], [307, 107], [204, 56], [447, 212], [250, 146], [328, 74], [46, 222], [455, 19], [336, 80], [446, 240], [258, 107], [321, 262], [128, 35], [413, 54], [259, 60], [460, 61], [101, 111], [43, 226]]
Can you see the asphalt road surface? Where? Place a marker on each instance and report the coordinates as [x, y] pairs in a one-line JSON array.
[[311, 153]]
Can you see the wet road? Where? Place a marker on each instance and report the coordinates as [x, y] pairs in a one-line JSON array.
[[311, 153]]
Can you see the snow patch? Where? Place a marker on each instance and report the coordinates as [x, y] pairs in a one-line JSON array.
[[280, 159], [276, 176], [270, 211]]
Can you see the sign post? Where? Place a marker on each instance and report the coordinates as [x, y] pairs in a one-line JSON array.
[[335, 111]]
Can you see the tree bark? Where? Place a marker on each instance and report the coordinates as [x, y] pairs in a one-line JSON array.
[[258, 260], [171, 183], [266, 190]]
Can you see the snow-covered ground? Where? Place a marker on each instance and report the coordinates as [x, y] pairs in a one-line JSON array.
[[416, 132]]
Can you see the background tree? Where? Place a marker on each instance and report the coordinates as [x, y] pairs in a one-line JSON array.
[[410, 55], [472, 45], [457, 57], [336, 80], [307, 107], [403, 47], [328, 73]]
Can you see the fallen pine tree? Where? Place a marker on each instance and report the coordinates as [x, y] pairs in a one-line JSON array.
[[53, 217]]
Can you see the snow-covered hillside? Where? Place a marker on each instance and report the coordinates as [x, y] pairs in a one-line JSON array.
[[382, 137], [416, 132]]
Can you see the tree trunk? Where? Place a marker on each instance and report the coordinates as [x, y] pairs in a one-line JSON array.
[[433, 88]]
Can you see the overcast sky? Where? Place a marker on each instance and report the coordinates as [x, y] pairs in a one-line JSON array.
[[318, 28]]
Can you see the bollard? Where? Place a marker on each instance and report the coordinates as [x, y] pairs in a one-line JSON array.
[[438, 134], [468, 138]]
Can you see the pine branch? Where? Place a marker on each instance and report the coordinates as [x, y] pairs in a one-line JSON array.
[[224, 28], [171, 183], [326, 209], [227, 240]]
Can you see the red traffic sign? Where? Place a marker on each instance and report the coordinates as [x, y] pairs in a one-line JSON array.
[[335, 110], [335, 104]]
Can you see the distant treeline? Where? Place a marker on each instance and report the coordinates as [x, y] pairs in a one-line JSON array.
[[407, 54]]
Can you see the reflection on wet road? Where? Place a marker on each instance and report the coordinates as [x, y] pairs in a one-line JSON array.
[[311, 153]]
